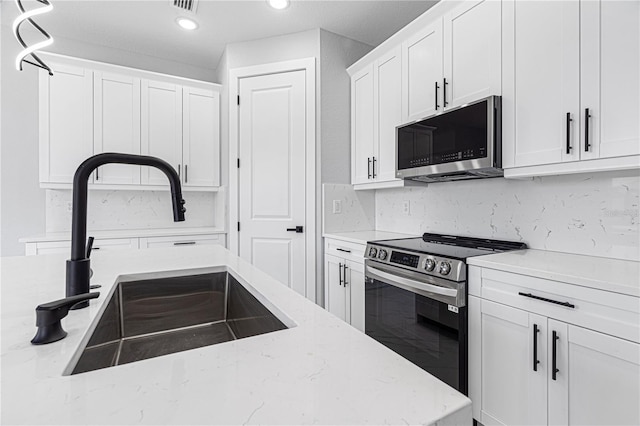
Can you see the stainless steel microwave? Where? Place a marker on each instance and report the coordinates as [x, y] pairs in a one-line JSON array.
[[460, 143]]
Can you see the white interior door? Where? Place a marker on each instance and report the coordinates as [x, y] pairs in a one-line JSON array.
[[272, 141]]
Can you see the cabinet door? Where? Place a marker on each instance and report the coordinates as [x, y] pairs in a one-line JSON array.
[[610, 57], [422, 73], [545, 85], [201, 137], [355, 288], [472, 51], [388, 102], [598, 382], [336, 295], [161, 127], [362, 125], [116, 112], [66, 122], [512, 393]]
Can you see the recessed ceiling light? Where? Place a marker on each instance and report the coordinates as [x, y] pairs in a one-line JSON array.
[[278, 4], [186, 23]]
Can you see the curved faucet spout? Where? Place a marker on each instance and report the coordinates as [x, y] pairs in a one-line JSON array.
[[78, 266]]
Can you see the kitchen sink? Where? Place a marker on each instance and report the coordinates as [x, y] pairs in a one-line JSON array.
[[147, 318]]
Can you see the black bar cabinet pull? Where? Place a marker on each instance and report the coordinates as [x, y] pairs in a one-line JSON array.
[[536, 330], [184, 243], [373, 169], [554, 353], [368, 167], [340, 266], [587, 116], [178, 170], [437, 87], [444, 91], [544, 299], [569, 120], [186, 173], [344, 250], [97, 173], [344, 275]]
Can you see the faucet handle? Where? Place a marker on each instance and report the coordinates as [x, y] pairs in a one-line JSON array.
[[89, 246], [48, 316]]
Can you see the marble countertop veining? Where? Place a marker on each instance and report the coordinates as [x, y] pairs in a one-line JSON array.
[[361, 237], [618, 276], [320, 371], [125, 233]]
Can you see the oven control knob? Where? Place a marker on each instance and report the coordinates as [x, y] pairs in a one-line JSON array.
[[382, 254], [430, 265], [373, 252], [445, 268]]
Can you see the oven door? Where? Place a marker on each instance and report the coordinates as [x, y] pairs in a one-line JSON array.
[[406, 318]]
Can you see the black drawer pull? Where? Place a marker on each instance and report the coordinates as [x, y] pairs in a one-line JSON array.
[[184, 243], [341, 249], [587, 116], [544, 299]]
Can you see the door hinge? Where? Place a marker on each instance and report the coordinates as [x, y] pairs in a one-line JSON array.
[[238, 163], [238, 99], [238, 226]]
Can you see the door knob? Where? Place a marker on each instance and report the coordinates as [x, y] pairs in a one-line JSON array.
[[297, 230]]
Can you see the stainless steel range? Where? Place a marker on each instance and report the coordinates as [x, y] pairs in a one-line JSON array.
[[415, 299]]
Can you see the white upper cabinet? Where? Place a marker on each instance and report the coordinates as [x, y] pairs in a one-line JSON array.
[[546, 89], [472, 52], [422, 73], [200, 137], [161, 127], [375, 112], [610, 79], [116, 109], [66, 121], [387, 114], [571, 87], [362, 126], [89, 108]]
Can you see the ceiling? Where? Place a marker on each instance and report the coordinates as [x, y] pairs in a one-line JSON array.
[[148, 26]]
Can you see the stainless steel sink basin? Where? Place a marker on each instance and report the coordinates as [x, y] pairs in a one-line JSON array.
[[154, 317]]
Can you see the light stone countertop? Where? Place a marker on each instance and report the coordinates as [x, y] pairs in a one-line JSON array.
[[361, 237], [124, 233], [618, 276], [322, 370]]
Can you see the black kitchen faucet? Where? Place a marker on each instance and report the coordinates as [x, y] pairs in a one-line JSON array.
[[78, 270]]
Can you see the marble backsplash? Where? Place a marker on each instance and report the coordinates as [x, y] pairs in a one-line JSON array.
[[114, 210], [357, 209], [592, 214]]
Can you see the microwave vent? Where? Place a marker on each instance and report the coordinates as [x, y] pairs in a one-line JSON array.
[[185, 5]]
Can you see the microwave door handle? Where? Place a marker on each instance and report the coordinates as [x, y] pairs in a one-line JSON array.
[[402, 282]]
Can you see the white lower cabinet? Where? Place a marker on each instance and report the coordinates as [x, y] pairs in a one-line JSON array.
[[344, 281], [182, 241], [102, 244], [529, 368]]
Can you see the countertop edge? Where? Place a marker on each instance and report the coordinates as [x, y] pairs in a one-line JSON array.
[[124, 233]]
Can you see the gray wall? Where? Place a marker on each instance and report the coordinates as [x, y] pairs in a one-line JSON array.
[[22, 207]]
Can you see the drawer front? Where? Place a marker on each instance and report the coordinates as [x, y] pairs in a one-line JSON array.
[[345, 250], [611, 313], [182, 241], [50, 247]]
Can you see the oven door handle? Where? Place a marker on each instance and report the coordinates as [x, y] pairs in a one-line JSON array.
[[409, 284]]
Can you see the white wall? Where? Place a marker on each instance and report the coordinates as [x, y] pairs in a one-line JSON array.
[[23, 202], [592, 214]]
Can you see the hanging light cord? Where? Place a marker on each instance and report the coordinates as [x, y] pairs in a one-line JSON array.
[[31, 50]]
